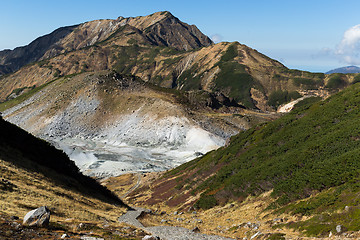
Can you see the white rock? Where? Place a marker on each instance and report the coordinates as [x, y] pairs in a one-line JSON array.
[[37, 217], [64, 236], [255, 235]]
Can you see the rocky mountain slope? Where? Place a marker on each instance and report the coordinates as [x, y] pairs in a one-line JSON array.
[[101, 124], [159, 29], [197, 97], [162, 50], [21, 149], [309, 154], [34, 174]]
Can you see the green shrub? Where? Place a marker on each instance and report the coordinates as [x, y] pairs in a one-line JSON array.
[[230, 53], [206, 202], [280, 97], [356, 79], [307, 101], [336, 81], [235, 82], [308, 83], [56, 73], [277, 236]]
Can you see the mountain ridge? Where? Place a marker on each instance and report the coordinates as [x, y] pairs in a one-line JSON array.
[[75, 37], [347, 69]]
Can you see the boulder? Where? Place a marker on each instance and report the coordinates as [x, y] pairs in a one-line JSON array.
[[38, 217], [150, 237]]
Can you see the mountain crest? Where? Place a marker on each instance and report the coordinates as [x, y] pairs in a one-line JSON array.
[[160, 29]]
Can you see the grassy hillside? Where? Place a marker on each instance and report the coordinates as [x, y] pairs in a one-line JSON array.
[[313, 148], [310, 150]]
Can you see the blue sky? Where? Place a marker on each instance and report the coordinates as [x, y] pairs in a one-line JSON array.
[[312, 35]]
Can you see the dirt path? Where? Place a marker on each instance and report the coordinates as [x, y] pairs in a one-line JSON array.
[[165, 232], [134, 187]]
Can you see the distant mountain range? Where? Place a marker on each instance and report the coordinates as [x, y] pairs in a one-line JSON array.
[[348, 69]]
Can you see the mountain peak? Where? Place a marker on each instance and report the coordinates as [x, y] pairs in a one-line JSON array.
[[347, 69], [160, 28]]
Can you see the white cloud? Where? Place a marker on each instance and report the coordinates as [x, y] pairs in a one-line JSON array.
[[348, 49], [216, 38]]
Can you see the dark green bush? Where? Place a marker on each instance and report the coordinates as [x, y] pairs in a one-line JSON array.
[[230, 53], [280, 97], [356, 79], [206, 202], [336, 81]]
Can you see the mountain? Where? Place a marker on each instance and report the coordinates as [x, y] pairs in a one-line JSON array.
[[115, 77], [159, 29], [348, 69], [232, 69], [312, 153], [150, 93], [101, 124]]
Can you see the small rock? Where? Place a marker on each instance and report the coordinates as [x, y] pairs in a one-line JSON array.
[[195, 230], [91, 238], [64, 236], [330, 234], [38, 217], [175, 213], [16, 225], [14, 218], [347, 208], [198, 220], [338, 228], [194, 212], [149, 237]]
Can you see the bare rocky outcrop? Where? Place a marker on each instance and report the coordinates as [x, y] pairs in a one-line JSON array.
[[39, 217], [101, 125]]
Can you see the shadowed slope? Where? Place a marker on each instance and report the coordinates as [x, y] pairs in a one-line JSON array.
[[24, 150]]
